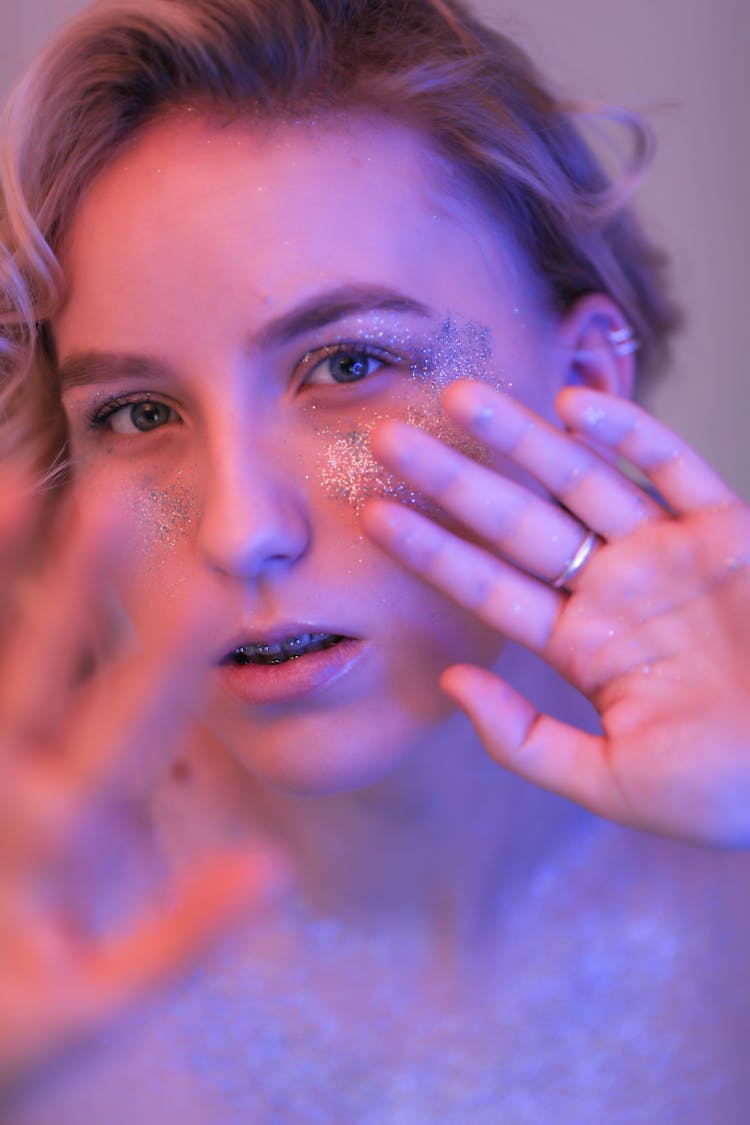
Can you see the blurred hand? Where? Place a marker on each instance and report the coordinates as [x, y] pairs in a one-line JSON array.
[[77, 742]]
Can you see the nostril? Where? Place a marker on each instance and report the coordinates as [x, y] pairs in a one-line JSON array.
[[249, 527]]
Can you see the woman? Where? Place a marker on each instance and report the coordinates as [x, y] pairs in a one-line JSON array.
[[315, 286]]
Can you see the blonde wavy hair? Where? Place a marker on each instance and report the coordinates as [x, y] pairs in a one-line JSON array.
[[426, 63]]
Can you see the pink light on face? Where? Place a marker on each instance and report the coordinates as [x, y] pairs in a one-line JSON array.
[[268, 449]]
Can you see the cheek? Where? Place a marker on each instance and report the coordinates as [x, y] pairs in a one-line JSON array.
[[347, 469], [155, 497], [159, 516], [164, 517]]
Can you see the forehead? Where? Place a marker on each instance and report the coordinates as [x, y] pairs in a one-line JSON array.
[[281, 209]]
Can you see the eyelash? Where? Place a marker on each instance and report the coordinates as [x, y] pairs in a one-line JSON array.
[[98, 416], [359, 348]]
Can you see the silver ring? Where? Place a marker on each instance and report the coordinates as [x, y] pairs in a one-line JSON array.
[[579, 560]]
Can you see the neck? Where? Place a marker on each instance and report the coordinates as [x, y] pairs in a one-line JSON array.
[[446, 842]]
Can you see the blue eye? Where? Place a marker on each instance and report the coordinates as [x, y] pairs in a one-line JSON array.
[[346, 366]]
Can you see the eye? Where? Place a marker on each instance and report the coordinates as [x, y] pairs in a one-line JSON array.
[[139, 417], [347, 365]]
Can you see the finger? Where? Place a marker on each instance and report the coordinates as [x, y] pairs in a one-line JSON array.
[[19, 511], [543, 750], [96, 984], [528, 530], [216, 897], [56, 625], [683, 478], [19, 506], [597, 493], [145, 701], [516, 604], [126, 725]]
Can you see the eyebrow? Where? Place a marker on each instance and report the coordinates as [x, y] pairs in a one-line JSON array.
[[336, 304], [85, 368]]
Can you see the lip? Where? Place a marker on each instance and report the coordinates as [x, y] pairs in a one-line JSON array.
[[260, 684], [274, 634]]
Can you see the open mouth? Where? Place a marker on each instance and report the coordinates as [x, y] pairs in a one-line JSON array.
[[281, 652]]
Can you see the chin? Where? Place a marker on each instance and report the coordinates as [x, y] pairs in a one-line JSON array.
[[320, 755]]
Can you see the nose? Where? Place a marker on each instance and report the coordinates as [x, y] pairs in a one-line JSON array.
[[255, 518]]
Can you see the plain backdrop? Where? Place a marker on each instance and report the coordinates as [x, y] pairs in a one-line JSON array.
[[682, 62]]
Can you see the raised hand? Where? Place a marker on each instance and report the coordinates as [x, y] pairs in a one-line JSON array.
[[75, 745], [653, 625]]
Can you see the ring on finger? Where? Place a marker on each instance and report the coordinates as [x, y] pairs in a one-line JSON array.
[[576, 564]]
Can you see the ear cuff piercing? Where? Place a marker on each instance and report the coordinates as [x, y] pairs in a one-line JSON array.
[[623, 340]]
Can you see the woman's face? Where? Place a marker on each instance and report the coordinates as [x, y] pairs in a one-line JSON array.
[[245, 303]]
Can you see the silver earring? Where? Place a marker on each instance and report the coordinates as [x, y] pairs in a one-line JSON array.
[[623, 340]]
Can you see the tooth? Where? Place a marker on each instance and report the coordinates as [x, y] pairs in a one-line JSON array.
[[278, 652], [322, 641], [295, 645]]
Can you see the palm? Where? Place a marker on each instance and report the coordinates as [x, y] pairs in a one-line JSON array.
[[654, 630], [67, 752], [665, 668]]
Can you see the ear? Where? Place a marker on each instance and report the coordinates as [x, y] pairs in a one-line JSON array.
[[599, 346]]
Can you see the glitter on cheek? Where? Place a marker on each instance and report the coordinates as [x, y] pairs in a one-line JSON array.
[[164, 515], [350, 472]]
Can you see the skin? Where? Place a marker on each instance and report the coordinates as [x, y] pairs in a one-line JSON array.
[[189, 285], [652, 632], [194, 272], [266, 543], [213, 239], [70, 782]]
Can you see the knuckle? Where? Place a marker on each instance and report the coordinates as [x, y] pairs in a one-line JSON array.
[[571, 475], [479, 589], [510, 521]]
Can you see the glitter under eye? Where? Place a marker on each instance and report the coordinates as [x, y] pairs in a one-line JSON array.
[[166, 514], [350, 472]]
